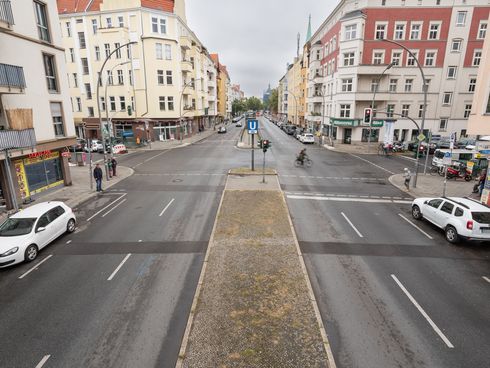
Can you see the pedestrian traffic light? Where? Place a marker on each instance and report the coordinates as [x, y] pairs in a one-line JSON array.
[[265, 145], [368, 115]]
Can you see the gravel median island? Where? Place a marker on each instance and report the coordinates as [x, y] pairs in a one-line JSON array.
[[254, 308]]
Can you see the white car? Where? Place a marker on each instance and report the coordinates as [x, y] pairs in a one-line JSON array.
[[460, 218], [24, 234], [239, 124], [96, 146], [307, 138], [119, 149]]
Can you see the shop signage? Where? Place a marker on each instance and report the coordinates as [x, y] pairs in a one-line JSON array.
[[39, 154], [377, 123], [48, 155], [345, 122]]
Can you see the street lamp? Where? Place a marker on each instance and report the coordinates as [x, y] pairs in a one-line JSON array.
[[295, 104], [181, 101]]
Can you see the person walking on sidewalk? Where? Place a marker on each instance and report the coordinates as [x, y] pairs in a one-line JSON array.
[[114, 164], [407, 175], [98, 178]]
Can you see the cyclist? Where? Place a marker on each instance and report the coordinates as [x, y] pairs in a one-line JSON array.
[[302, 155]]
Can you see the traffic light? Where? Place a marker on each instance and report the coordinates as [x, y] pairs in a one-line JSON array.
[[368, 115], [266, 144], [260, 143]]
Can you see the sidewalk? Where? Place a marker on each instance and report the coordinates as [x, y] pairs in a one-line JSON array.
[[254, 306], [432, 186], [158, 145], [80, 190]]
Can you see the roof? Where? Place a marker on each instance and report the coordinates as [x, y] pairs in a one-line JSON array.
[[37, 210], [80, 6], [471, 204]]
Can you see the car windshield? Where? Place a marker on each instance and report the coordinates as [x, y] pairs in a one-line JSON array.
[[481, 217], [17, 226]]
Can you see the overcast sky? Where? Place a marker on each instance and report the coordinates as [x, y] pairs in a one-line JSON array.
[[255, 39]]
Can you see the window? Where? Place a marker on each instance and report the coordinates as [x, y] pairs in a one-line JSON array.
[[408, 85], [434, 31], [84, 65], [57, 115], [461, 18], [451, 72], [154, 24], [399, 31], [169, 78], [405, 110], [390, 109], [120, 20], [81, 40], [168, 52], [158, 25], [334, 43], [122, 103], [118, 51], [107, 48], [430, 57], [94, 26], [72, 55], [393, 84], [170, 103], [347, 85], [112, 101], [443, 125], [110, 79], [68, 29], [88, 91], [42, 21], [396, 57], [160, 77], [130, 72], [75, 79], [351, 32], [99, 79], [435, 203], [472, 85], [318, 54], [482, 30], [348, 59], [380, 31], [109, 22], [120, 77], [79, 104], [374, 85], [97, 53], [447, 207], [378, 57], [90, 111], [458, 212], [467, 111], [446, 98], [163, 26], [345, 111], [161, 101], [102, 103], [159, 51], [476, 57], [456, 45], [415, 31], [411, 60], [421, 110]]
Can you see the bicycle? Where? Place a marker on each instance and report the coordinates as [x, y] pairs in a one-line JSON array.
[[435, 170], [384, 150], [306, 162]]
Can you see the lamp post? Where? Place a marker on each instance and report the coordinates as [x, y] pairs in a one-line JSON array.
[[181, 100], [98, 100], [295, 104], [424, 88]]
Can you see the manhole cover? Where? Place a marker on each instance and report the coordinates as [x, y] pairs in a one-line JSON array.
[[177, 180]]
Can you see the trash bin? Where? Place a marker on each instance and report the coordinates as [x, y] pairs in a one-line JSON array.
[[80, 158]]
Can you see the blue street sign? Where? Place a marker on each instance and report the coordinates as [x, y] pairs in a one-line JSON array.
[[253, 126]]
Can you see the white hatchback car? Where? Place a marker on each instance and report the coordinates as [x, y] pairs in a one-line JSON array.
[[460, 218], [307, 138], [25, 233]]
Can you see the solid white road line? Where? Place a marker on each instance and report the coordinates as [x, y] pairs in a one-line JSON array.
[[349, 199], [34, 267], [372, 163], [486, 279], [151, 158], [352, 225], [106, 207], [415, 226], [421, 310], [43, 361], [113, 208], [119, 267], [166, 207], [68, 242]]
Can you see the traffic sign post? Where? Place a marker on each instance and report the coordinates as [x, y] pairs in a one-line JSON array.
[[446, 161], [253, 128]]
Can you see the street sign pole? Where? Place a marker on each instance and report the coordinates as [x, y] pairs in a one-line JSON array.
[[253, 151], [263, 170], [253, 128], [446, 161]]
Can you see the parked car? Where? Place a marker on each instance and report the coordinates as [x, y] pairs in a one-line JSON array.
[[460, 218], [239, 124], [290, 130], [119, 149], [298, 133], [444, 143], [307, 138], [24, 234], [466, 143], [79, 146], [222, 129]]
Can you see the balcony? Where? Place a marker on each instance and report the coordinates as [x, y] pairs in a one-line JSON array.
[[185, 42], [187, 66], [12, 79], [368, 96], [6, 15], [316, 98], [371, 69], [12, 139]]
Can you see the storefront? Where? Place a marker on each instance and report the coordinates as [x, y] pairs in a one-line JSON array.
[[345, 128]]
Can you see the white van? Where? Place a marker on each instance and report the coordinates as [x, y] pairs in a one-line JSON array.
[[456, 155]]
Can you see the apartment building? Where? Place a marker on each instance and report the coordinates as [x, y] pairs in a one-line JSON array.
[[236, 93], [349, 59], [36, 122], [224, 89], [159, 82], [283, 98]]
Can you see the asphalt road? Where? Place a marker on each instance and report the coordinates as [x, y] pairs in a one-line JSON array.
[[117, 292], [378, 279]]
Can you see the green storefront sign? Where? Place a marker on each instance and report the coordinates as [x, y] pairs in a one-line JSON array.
[[345, 122], [377, 123]]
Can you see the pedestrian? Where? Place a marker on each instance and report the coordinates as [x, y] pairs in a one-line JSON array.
[[114, 164], [98, 178], [109, 168], [407, 175], [481, 182]]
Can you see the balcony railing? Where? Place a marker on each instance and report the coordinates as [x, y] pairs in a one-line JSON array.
[[11, 139], [12, 76], [6, 14]]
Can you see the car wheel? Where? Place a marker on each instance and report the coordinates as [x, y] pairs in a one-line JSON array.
[[416, 214], [71, 226], [451, 234], [31, 253]]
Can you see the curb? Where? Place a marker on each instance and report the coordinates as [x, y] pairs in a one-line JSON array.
[[323, 332], [402, 188]]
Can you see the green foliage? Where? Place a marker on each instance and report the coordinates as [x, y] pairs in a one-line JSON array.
[[238, 107], [253, 103], [273, 102]]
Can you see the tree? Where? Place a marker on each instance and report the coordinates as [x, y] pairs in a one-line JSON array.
[[238, 107], [273, 101], [253, 103]]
